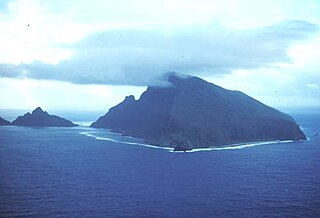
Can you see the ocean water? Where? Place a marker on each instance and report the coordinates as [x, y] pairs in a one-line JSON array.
[[84, 172]]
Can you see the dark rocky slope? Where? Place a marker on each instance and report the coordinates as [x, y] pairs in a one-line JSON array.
[[4, 122], [192, 113], [38, 117]]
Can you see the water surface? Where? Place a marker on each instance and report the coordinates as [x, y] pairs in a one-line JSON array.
[[65, 172]]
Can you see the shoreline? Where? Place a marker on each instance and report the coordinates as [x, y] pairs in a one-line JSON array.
[[235, 146], [238, 146]]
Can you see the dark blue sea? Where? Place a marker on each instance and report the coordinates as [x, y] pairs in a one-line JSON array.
[[84, 172]]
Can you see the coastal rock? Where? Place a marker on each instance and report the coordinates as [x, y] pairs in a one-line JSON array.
[[38, 117], [192, 113], [4, 122]]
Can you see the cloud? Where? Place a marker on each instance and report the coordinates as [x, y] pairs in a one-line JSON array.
[[270, 50], [35, 30], [29, 94], [312, 86], [142, 56]]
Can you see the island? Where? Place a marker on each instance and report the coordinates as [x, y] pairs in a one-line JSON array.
[[38, 117], [191, 113], [4, 122]]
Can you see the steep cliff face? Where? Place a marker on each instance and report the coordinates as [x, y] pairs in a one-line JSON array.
[[192, 113], [38, 117]]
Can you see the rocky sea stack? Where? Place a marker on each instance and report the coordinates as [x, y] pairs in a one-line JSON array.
[[38, 117], [192, 113]]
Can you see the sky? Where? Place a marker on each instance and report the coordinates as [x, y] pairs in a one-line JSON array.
[[89, 55]]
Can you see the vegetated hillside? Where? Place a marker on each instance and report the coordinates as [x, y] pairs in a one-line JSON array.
[[192, 113]]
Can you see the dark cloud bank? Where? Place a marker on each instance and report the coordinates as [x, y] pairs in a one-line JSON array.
[[141, 57]]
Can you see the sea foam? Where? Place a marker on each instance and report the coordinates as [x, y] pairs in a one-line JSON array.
[[240, 146], [125, 142], [220, 148]]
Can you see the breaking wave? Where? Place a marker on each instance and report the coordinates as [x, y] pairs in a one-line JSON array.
[[240, 146], [220, 148], [124, 142]]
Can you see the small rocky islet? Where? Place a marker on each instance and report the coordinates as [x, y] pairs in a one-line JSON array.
[[38, 117]]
